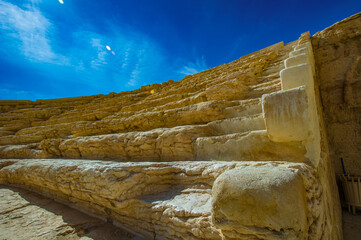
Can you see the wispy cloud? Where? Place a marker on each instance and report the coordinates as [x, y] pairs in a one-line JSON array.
[[101, 52], [191, 68], [134, 76], [28, 30], [134, 58]]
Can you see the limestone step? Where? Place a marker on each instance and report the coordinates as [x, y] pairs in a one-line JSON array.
[[273, 68], [270, 86], [244, 108], [248, 146], [267, 77], [194, 114], [162, 144], [35, 216], [237, 125], [200, 113], [21, 151], [172, 200]]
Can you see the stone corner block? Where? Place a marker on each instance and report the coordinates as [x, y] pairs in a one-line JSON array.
[[304, 45], [254, 199], [286, 115], [297, 76], [297, 60]]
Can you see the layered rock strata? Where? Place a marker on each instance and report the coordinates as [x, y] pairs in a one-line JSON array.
[[239, 151]]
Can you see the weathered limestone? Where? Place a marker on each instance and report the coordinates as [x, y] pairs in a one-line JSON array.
[[287, 110], [175, 200], [43, 218], [249, 146], [246, 201], [174, 144]]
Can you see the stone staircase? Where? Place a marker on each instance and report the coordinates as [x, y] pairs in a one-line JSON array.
[[220, 101], [233, 152]]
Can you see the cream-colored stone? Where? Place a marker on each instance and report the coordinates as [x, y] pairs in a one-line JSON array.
[[161, 200], [174, 144], [302, 50], [267, 201], [237, 125], [25, 215], [297, 76], [249, 146], [171, 200], [307, 45], [297, 60], [286, 115]]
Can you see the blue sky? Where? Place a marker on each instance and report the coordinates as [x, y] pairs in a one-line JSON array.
[[50, 49]]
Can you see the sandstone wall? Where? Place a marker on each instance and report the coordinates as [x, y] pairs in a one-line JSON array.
[[338, 63]]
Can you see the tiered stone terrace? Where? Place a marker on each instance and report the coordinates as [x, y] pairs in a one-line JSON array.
[[173, 121]]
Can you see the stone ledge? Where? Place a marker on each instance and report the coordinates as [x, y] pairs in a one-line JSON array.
[[158, 200]]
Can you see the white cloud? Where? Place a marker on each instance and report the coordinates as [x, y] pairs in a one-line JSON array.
[[194, 67], [28, 30], [133, 81], [100, 59], [137, 59]]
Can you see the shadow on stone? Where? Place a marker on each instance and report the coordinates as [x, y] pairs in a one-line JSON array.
[[24, 215]]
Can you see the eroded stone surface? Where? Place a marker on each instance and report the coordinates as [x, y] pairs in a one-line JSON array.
[[166, 200], [337, 52], [265, 201], [27, 215]]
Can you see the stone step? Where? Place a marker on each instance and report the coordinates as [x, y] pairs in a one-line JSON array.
[[248, 146], [237, 125], [244, 108], [270, 86], [157, 200], [174, 200], [162, 144], [21, 151], [194, 114], [34, 216], [273, 68], [268, 77], [200, 113]]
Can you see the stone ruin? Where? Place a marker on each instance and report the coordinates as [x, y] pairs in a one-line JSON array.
[[245, 150]]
